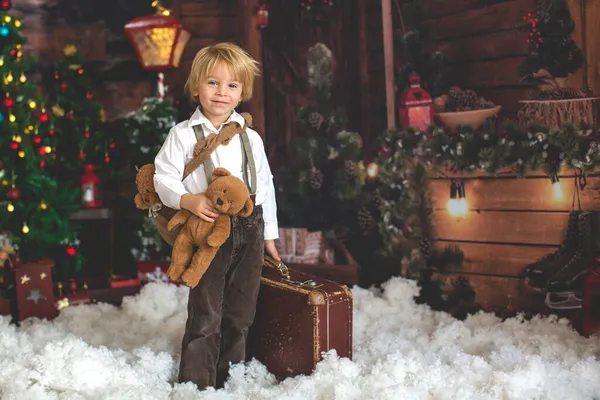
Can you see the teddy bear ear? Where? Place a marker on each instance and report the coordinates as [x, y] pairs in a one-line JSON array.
[[218, 172], [248, 208]]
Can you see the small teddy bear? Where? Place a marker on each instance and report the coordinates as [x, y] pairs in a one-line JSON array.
[[230, 196]]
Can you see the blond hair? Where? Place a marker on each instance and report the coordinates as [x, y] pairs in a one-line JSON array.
[[241, 65]]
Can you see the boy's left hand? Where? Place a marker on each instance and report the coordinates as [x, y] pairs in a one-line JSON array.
[[271, 249]]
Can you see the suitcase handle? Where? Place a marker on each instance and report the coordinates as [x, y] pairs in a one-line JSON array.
[[285, 272]]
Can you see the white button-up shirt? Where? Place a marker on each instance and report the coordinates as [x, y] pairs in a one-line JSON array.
[[178, 150]]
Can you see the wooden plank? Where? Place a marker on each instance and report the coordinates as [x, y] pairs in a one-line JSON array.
[[518, 194], [193, 8], [578, 78], [213, 26], [491, 45], [197, 43], [388, 55], [500, 72], [436, 8], [493, 293], [502, 227], [501, 16], [363, 72], [498, 259], [592, 39]]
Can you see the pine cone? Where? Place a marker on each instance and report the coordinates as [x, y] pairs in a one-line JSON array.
[[316, 179], [425, 248], [378, 201], [483, 104], [365, 219], [470, 98], [455, 93], [351, 168], [315, 120]]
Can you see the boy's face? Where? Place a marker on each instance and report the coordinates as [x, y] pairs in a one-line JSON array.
[[219, 93]]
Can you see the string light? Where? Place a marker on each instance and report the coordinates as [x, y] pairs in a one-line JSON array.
[[23, 78], [1, 61], [43, 206], [21, 154], [10, 207], [32, 104], [9, 78], [17, 23], [7, 19], [12, 118], [556, 188], [457, 203], [25, 229]]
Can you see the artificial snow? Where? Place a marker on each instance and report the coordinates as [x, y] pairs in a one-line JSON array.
[[401, 351]]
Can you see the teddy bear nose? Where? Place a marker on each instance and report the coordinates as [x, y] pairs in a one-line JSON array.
[[219, 201]]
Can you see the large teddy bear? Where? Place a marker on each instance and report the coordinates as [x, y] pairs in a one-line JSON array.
[[230, 196]]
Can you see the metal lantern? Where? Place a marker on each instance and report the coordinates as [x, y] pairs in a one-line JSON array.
[[416, 106], [262, 16]]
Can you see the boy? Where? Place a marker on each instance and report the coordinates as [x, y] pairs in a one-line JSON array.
[[222, 306]]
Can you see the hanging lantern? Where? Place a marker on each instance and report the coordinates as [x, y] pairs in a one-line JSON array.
[[158, 39], [90, 188], [416, 106], [262, 16]]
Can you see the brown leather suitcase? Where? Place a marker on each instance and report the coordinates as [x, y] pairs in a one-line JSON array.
[[299, 316]]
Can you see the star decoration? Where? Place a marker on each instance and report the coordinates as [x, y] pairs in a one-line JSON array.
[[25, 279], [62, 304], [35, 296], [43, 276]]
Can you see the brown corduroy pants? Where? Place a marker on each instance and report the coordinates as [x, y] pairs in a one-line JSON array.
[[223, 305]]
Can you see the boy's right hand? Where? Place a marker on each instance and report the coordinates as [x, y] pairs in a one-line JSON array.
[[199, 205]]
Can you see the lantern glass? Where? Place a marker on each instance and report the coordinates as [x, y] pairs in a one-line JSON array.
[[420, 117]]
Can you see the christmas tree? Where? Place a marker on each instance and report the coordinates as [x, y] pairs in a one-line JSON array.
[[79, 121], [552, 52], [35, 206], [147, 128], [322, 178]]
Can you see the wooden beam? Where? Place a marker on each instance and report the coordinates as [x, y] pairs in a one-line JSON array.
[[592, 39], [388, 51], [252, 39], [363, 75]]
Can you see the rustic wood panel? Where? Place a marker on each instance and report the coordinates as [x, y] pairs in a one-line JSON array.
[[209, 8], [212, 26], [500, 16], [488, 73], [592, 39], [252, 42], [490, 45], [502, 227], [578, 78], [497, 293], [195, 44], [518, 194], [498, 259], [436, 8]]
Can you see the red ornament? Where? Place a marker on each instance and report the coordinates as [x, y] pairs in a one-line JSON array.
[[87, 134], [90, 188], [63, 87], [56, 76], [51, 131], [8, 102], [80, 71], [591, 301], [44, 117], [14, 145], [262, 16], [416, 106], [89, 95], [5, 5], [158, 40], [37, 140], [112, 145], [42, 164], [71, 251], [42, 151], [107, 159], [81, 155], [13, 194]]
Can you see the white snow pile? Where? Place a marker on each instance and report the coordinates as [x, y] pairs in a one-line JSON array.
[[401, 351]]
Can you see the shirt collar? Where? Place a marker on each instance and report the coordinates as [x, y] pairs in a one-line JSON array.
[[198, 118]]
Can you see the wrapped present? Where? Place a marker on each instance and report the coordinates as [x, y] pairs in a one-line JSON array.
[[292, 241], [34, 289]]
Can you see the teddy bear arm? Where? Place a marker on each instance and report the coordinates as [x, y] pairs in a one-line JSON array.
[[139, 202], [179, 219], [220, 231]]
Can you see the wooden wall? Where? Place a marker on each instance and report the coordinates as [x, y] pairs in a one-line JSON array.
[[485, 41], [512, 222]]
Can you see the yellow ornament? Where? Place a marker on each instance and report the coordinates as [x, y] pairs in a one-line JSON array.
[[23, 78], [10, 207], [74, 66], [58, 111], [25, 229], [4, 182], [17, 23], [7, 19], [32, 104], [43, 206], [9, 78], [12, 118], [18, 139], [21, 154], [70, 50], [102, 115]]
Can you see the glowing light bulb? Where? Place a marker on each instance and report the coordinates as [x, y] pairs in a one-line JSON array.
[[23, 78], [32, 104], [25, 229], [43, 206], [12, 118], [48, 149], [7, 19], [457, 204], [17, 23], [556, 188], [10, 207], [22, 154], [372, 170]]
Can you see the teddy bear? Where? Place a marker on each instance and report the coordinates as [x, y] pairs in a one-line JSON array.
[[230, 196], [147, 199]]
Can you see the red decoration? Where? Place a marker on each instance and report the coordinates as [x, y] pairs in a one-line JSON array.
[[37, 140], [81, 155], [5, 5], [56, 76], [87, 134], [34, 289], [13, 194], [71, 251], [90, 188], [51, 131], [591, 301], [262, 16], [42, 164], [158, 40], [112, 145], [14, 145], [416, 106], [8, 102], [44, 117], [42, 151], [63, 87], [80, 71], [89, 95]]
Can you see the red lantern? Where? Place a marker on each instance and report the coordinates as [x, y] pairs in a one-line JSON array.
[[591, 301], [90, 188], [262, 16], [416, 106], [158, 39]]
